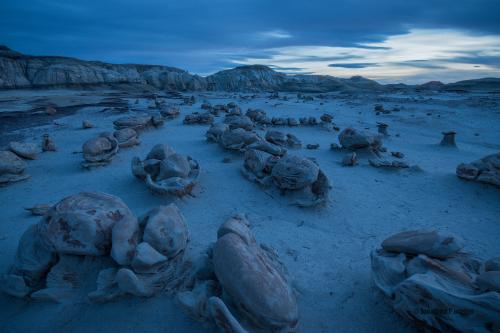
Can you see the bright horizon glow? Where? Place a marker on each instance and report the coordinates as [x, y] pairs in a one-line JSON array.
[[409, 57]]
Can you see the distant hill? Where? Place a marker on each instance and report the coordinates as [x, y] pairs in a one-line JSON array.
[[432, 85], [25, 71], [486, 84]]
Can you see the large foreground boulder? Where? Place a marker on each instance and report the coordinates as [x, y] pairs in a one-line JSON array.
[[83, 224], [249, 285], [429, 281]]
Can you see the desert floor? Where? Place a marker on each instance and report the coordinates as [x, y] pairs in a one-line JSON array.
[[326, 249]]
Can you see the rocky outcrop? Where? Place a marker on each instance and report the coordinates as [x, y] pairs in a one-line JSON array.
[[24, 71], [247, 78], [263, 78]]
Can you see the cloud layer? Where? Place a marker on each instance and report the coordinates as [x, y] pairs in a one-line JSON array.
[[419, 55], [387, 40]]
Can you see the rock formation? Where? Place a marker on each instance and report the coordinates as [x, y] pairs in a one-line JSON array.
[[485, 170], [166, 172], [428, 280]]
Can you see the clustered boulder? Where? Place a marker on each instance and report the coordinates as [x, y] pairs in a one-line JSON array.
[[90, 232], [236, 282], [300, 179], [427, 279], [166, 172]]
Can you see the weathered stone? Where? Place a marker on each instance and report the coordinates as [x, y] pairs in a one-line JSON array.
[[24, 150], [82, 224], [489, 281], [381, 163], [293, 172], [492, 264], [215, 131], [256, 286], [312, 146], [166, 172], [276, 137], [292, 141], [145, 258], [448, 139], [485, 170], [238, 139], [99, 150], [126, 137], [431, 243], [87, 124], [48, 144], [170, 112], [441, 294], [354, 139], [267, 147], [138, 123], [235, 121], [165, 230], [350, 159], [11, 168], [198, 118], [39, 210]]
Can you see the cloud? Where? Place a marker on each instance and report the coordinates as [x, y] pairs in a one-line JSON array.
[[418, 55], [429, 64], [354, 65], [274, 34], [206, 36], [278, 68]]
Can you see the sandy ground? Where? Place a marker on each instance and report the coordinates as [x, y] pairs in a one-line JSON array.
[[326, 249]]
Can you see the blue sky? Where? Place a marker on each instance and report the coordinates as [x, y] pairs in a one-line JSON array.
[[390, 41]]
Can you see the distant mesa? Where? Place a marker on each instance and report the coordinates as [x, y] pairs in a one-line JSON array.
[[24, 71]]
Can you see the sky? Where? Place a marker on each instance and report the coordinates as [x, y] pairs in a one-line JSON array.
[[410, 41]]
